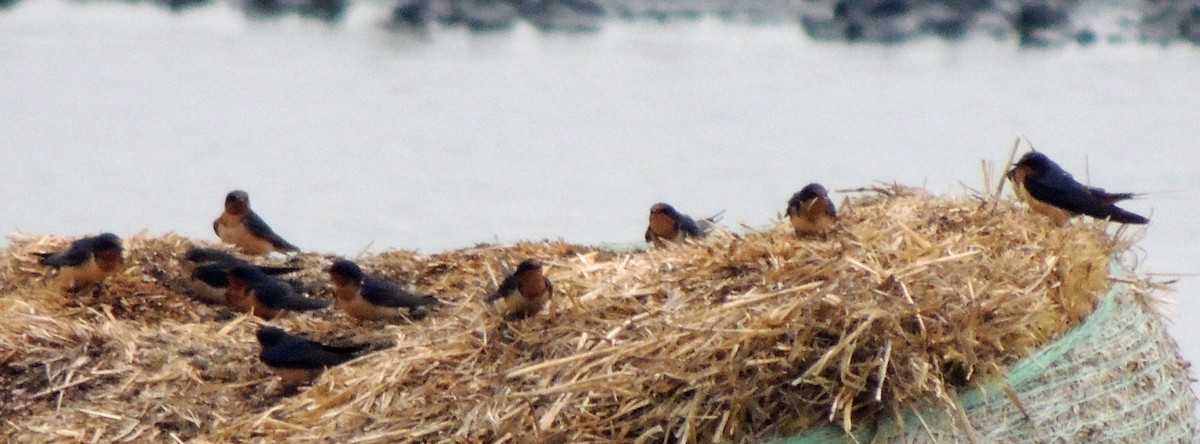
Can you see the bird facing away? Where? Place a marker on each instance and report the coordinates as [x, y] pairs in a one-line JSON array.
[[241, 226], [208, 269], [371, 297], [297, 360], [669, 225], [1050, 190], [525, 291], [252, 291], [811, 212], [86, 261]]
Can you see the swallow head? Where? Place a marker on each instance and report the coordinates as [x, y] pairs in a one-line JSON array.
[[345, 270], [530, 264], [663, 209], [812, 191], [269, 336], [1032, 161], [107, 249], [237, 202], [107, 242]]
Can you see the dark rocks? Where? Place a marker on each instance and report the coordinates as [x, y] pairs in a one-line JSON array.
[[181, 5], [326, 10], [562, 15], [1034, 22], [1028, 22], [477, 15]]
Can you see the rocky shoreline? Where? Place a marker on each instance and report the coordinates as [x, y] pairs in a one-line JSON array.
[[1028, 22]]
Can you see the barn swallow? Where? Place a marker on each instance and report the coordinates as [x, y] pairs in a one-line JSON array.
[[241, 226], [526, 291], [1050, 190], [252, 291], [87, 260], [668, 225], [371, 297], [209, 268], [810, 211], [298, 360]]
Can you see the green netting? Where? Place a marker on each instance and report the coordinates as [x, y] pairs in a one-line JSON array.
[[1116, 377]]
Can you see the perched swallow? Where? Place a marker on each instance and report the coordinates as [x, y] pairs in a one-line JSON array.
[[297, 360], [811, 211], [1049, 190], [668, 225], [371, 297], [241, 226], [209, 272], [526, 291], [252, 291], [86, 261]]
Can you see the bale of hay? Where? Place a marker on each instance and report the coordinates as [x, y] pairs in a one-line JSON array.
[[738, 337], [1117, 377]]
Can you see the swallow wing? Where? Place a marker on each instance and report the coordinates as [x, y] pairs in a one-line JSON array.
[[259, 227], [389, 294], [1058, 188], [278, 294], [649, 234], [1107, 197], [213, 274], [200, 255], [345, 349], [794, 204], [688, 225], [76, 254], [276, 271], [830, 208], [507, 286], [295, 352]]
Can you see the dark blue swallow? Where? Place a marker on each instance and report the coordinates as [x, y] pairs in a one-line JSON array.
[[252, 291], [810, 211], [298, 360], [241, 226], [210, 272], [86, 261], [669, 225], [370, 297], [1050, 190], [525, 291]]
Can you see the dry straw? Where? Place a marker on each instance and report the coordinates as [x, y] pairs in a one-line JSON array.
[[738, 337]]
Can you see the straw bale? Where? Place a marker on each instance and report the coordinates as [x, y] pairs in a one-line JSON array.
[[736, 337]]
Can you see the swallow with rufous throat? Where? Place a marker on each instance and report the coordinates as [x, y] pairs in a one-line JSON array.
[[368, 297], [242, 227], [669, 225], [1051, 191], [252, 291], [297, 360], [525, 291], [86, 261], [811, 212]]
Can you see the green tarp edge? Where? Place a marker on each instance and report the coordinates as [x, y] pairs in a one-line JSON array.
[[1023, 371]]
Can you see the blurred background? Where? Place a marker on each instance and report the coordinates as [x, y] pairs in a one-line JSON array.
[[439, 124]]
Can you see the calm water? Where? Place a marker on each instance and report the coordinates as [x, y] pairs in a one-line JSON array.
[[125, 117]]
